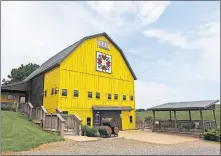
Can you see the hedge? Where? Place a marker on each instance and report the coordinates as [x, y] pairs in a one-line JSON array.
[[7, 107], [212, 135], [90, 131]]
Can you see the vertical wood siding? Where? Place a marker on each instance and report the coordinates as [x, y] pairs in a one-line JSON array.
[[78, 72], [51, 80], [37, 89]]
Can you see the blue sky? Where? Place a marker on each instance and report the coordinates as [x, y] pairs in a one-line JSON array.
[[173, 47]]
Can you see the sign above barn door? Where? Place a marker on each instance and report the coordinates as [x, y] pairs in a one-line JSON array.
[[104, 62], [103, 44]]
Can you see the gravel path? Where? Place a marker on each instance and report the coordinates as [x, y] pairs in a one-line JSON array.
[[121, 146]]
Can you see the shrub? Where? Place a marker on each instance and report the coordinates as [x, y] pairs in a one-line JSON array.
[[83, 129], [213, 135], [7, 108], [89, 131]]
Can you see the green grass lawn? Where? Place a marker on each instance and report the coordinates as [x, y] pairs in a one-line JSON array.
[[182, 115], [19, 134]]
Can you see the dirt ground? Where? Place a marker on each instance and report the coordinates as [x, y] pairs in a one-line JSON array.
[[154, 137], [128, 143]]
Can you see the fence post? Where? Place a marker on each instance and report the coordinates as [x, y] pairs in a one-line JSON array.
[[43, 120], [17, 105], [153, 128], [175, 121], [40, 114], [22, 108], [26, 108], [62, 129], [61, 125], [202, 121], [30, 113], [51, 120], [80, 128], [214, 117]]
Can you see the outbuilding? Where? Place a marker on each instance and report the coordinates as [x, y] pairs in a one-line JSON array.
[[182, 125]]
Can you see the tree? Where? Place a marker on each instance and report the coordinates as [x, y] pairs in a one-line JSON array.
[[20, 73], [140, 110]]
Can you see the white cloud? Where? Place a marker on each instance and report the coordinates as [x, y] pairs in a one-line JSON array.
[[110, 14], [152, 94], [35, 31], [32, 32], [149, 94], [150, 11], [205, 38], [164, 63]]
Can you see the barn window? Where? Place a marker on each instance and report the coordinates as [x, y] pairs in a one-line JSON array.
[[11, 97], [89, 94], [64, 92], [64, 112], [52, 91], [131, 98], [131, 119], [124, 97], [97, 95], [55, 90], [45, 93], [115, 96], [75, 93], [109, 96], [97, 119], [88, 121]]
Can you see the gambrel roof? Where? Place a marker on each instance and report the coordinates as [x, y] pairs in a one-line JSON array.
[[59, 57]]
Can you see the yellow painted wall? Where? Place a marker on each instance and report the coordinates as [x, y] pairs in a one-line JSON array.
[[126, 120], [4, 97], [51, 80], [78, 72]]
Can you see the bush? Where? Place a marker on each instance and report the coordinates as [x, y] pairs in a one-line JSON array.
[[213, 135], [90, 131], [7, 108]]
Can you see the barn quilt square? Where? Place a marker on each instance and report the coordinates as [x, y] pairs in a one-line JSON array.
[[104, 62]]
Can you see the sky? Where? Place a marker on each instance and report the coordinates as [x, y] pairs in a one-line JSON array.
[[173, 47]]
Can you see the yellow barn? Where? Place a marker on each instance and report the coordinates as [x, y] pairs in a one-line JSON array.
[[91, 78]]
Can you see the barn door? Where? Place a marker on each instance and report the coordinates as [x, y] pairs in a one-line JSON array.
[[22, 99], [97, 118]]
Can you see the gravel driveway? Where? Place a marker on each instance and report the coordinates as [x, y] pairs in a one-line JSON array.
[[121, 146]]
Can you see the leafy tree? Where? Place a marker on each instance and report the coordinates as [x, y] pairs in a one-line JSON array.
[[20, 73], [140, 110]]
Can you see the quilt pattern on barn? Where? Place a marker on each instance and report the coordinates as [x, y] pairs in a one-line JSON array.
[[103, 62]]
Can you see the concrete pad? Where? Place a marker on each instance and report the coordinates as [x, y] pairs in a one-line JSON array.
[[81, 138], [154, 137]]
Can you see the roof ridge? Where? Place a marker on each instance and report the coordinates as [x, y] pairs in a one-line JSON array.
[[58, 58]]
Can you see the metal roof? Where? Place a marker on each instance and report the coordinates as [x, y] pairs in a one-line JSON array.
[[111, 108], [186, 105], [17, 86], [59, 57]]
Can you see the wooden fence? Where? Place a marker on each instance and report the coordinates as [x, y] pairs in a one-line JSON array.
[[73, 123], [52, 122], [11, 106], [182, 125]]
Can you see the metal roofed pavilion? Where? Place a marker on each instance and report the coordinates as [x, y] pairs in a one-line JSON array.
[[186, 105]]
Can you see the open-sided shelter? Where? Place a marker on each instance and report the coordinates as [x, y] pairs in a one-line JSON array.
[[189, 106]]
